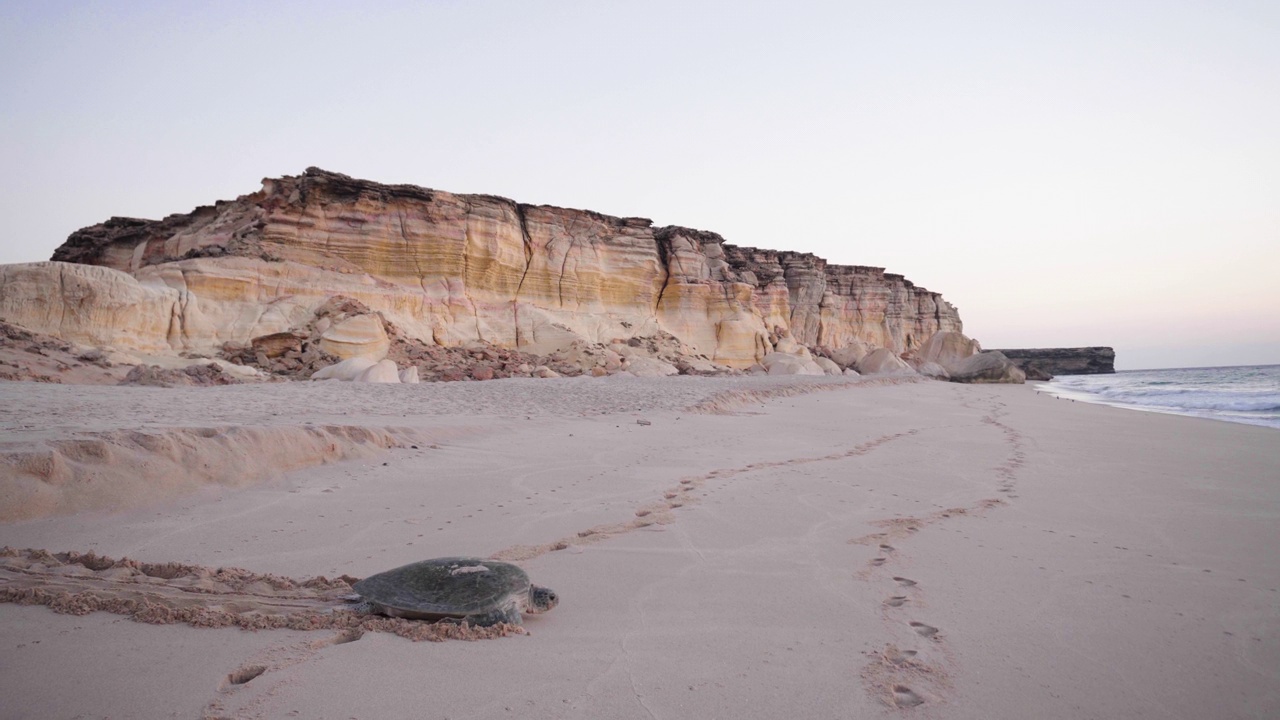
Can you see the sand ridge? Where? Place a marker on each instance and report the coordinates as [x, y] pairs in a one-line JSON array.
[[120, 469]]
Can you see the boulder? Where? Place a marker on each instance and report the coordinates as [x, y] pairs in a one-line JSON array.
[[409, 375], [362, 335], [641, 366], [348, 369], [383, 371], [198, 375], [988, 367], [931, 369], [1034, 372], [778, 363], [883, 361], [828, 366], [787, 344], [277, 344], [947, 348], [849, 355]]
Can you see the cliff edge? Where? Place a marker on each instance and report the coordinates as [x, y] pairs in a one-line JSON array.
[[450, 269]]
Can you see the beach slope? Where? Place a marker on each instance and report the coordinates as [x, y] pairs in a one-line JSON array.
[[722, 547]]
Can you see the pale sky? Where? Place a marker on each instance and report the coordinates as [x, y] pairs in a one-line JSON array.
[[1066, 173]]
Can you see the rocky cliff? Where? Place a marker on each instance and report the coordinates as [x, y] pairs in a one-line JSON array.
[[1044, 363], [450, 269]]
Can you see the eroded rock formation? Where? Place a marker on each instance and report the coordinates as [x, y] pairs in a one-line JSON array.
[[449, 270]]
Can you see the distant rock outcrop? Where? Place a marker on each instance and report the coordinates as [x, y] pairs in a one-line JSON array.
[[1044, 363], [448, 270]]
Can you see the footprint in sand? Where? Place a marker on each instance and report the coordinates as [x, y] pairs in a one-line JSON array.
[[894, 656], [925, 631], [240, 676], [904, 582], [886, 548], [896, 601], [341, 638], [905, 697], [877, 562]]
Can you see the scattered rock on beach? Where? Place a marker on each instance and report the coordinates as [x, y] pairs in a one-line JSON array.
[[883, 361], [784, 363], [197, 375], [947, 348], [987, 367]]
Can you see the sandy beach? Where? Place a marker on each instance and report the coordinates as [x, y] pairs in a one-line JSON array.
[[722, 547]]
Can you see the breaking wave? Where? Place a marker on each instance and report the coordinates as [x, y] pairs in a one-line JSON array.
[[1247, 394]]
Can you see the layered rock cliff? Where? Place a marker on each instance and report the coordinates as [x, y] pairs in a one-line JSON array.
[[451, 269]]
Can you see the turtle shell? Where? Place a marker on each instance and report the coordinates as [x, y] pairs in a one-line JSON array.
[[445, 587]]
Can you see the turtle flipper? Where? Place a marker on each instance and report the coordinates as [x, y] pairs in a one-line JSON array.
[[509, 615]]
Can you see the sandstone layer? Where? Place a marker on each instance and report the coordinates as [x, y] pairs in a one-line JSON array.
[[1044, 363], [448, 270]]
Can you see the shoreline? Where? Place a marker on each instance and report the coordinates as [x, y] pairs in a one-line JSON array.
[[1210, 413], [943, 550]]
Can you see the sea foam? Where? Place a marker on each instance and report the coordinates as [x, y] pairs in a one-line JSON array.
[[1245, 394]]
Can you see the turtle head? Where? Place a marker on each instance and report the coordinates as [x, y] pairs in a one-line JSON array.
[[541, 599]]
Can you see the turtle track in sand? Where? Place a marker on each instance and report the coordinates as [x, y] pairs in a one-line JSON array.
[[170, 593]]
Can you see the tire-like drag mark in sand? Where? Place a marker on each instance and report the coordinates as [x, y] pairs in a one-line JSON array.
[[170, 593], [660, 513]]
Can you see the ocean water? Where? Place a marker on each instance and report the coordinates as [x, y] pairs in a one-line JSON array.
[[1245, 394]]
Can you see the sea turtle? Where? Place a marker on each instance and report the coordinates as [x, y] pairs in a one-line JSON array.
[[473, 590]]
